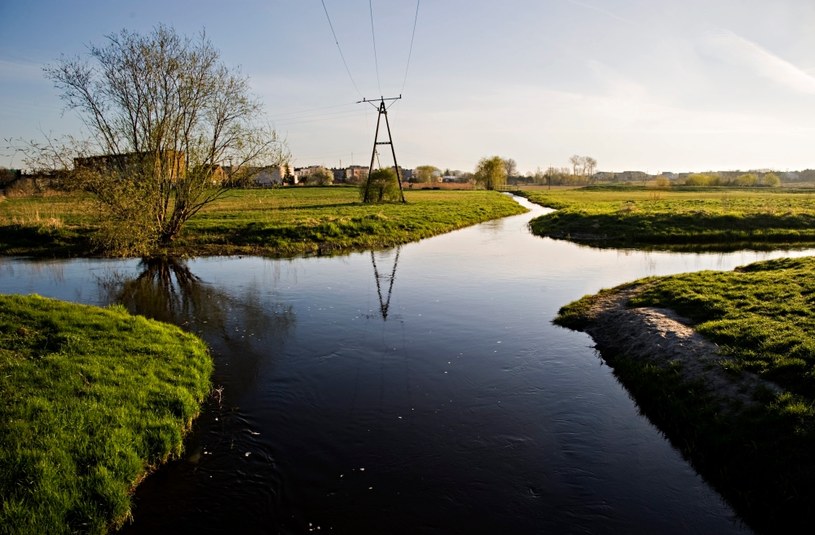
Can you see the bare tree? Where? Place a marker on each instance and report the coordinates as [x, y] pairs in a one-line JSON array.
[[576, 161], [511, 167], [164, 114], [589, 165]]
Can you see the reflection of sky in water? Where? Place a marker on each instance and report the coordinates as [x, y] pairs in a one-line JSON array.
[[464, 405]]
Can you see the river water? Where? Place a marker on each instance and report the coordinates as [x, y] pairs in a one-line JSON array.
[[422, 389]]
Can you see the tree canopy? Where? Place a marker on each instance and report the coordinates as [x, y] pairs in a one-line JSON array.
[[382, 186], [426, 173], [491, 173], [321, 177], [166, 116]]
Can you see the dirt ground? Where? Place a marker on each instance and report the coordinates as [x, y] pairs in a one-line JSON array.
[[664, 338]]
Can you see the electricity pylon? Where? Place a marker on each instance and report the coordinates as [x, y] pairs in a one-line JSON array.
[[383, 110]]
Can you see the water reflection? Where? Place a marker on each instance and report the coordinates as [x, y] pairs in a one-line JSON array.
[[246, 331], [382, 279], [52, 269], [247, 325]]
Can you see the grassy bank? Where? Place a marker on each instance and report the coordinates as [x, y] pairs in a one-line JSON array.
[[269, 222], [722, 218], [758, 454], [90, 401]]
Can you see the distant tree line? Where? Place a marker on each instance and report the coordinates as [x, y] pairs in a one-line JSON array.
[[743, 180]]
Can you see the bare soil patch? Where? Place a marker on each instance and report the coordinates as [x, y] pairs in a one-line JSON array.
[[666, 339]]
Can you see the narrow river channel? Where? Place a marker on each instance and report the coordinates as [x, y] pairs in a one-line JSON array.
[[417, 390]]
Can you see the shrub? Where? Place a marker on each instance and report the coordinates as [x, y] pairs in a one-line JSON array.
[[381, 186]]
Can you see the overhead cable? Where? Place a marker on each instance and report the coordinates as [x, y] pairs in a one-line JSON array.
[[410, 52], [373, 37], [337, 41]]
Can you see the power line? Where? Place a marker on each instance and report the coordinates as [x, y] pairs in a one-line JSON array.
[[373, 37], [285, 123], [316, 114], [373, 40], [410, 52], [337, 41], [312, 109]]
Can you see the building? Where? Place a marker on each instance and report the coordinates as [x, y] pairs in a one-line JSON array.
[[172, 163], [271, 175], [356, 173]]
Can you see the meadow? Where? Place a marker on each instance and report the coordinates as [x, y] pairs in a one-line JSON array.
[[91, 400], [279, 222], [686, 218]]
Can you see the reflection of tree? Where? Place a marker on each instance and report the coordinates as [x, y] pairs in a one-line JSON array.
[[385, 301], [246, 332], [242, 330], [166, 290]]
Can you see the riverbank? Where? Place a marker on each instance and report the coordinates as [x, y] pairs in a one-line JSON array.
[[91, 401], [722, 364], [678, 219], [281, 222]]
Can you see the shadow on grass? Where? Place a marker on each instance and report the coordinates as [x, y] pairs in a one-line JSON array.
[[41, 241]]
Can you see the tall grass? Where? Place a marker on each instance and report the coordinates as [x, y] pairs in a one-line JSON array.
[[90, 400]]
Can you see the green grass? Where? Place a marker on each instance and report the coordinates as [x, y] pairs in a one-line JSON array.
[[91, 400], [720, 218], [762, 317], [270, 222], [295, 221]]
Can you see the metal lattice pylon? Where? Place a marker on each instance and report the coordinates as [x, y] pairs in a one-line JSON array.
[[383, 110]]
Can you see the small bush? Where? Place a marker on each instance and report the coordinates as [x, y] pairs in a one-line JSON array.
[[382, 186]]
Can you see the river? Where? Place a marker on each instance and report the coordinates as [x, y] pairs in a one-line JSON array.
[[422, 389]]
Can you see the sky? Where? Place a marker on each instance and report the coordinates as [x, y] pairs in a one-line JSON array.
[[655, 86]]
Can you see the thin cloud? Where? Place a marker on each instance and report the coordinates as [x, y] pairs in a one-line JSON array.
[[14, 71], [735, 49], [603, 11]]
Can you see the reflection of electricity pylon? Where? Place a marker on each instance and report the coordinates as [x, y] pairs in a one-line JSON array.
[[384, 303], [383, 110]]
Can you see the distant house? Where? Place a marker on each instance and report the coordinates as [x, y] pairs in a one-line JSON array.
[[272, 175], [339, 174], [174, 160], [624, 176], [301, 174], [356, 173]]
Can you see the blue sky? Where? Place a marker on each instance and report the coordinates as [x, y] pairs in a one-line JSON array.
[[668, 85]]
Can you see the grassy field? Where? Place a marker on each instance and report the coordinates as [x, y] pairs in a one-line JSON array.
[[720, 218], [269, 222], [91, 399], [762, 317]]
